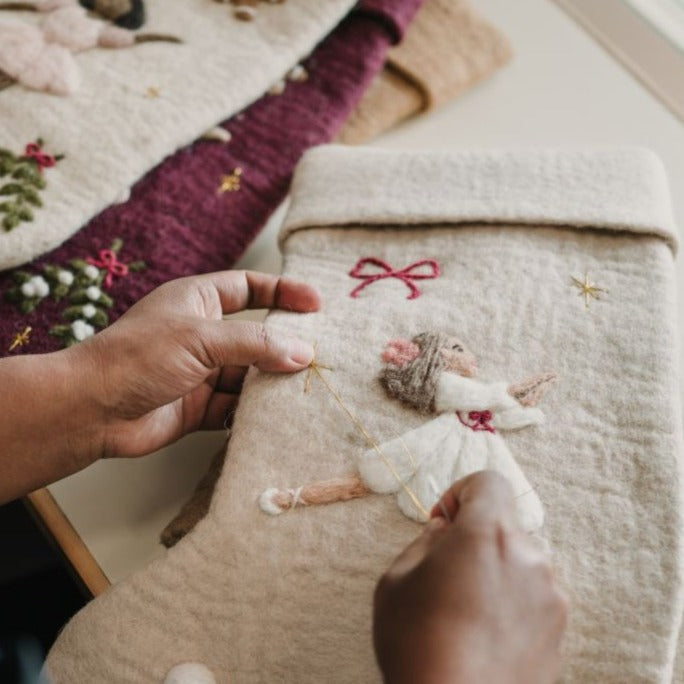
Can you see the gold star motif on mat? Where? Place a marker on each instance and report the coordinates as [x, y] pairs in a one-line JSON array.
[[587, 289], [230, 182], [153, 93], [21, 338]]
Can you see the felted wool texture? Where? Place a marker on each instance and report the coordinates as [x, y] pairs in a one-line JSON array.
[[177, 221], [449, 48], [289, 598], [111, 133]]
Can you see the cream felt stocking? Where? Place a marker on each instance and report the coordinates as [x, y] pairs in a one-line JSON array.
[[523, 266]]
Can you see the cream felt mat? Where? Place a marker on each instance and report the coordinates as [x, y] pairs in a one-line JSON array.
[[288, 598], [136, 105]]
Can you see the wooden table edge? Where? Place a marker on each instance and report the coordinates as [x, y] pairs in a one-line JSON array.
[[69, 541]]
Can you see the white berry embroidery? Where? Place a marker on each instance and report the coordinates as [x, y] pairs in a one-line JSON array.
[[65, 277], [36, 287], [88, 311], [81, 284], [91, 272], [81, 330], [93, 293]]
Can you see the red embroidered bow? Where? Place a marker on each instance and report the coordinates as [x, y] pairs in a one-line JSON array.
[[478, 421], [35, 152], [109, 261], [406, 275]]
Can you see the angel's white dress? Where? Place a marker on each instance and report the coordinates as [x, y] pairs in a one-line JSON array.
[[464, 438]]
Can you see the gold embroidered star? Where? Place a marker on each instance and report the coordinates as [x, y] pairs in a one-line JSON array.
[[314, 367], [153, 93], [230, 182], [587, 289], [22, 338]]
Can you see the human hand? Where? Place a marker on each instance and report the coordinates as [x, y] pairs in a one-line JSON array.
[[171, 365], [473, 600]]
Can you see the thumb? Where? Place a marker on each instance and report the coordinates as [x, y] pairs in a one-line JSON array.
[[415, 552], [246, 343], [483, 498]]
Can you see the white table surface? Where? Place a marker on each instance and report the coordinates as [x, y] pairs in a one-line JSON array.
[[561, 90]]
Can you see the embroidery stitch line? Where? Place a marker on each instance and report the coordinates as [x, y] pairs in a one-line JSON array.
[[374, 445]]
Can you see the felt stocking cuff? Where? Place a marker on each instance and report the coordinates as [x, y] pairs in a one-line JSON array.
[[511, 311], [448, 49], [200, 208]]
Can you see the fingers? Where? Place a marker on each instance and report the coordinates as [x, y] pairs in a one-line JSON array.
[[230, 379], [219, 412], [238, 290], [415, 552], [481, 499], [245, 343]]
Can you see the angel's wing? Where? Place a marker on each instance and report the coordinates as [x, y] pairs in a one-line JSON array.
[[20, 45], [393, 463], [55, 71], [28, 59]]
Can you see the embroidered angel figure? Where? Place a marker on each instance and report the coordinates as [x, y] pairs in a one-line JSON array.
[[40, 57], [435, 374], [128, 14]]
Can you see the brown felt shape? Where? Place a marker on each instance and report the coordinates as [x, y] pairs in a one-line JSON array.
[[449, 48]]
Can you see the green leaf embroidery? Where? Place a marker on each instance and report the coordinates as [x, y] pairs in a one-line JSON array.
[[79, 297], [100, 319], [26, 179], [60, 291], [10, 221], [32, 197], [71, 313], [11, 189]]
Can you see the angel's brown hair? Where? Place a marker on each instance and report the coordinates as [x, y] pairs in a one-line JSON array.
[[415, 382]]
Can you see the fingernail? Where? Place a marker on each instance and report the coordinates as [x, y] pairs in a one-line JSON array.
[[300, 352]]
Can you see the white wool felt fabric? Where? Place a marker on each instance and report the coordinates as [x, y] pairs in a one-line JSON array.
[[289, 598], [111, 132]]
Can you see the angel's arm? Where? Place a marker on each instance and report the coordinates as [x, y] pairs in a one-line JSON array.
[[456, 393], [517, 417], [385, 468]]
